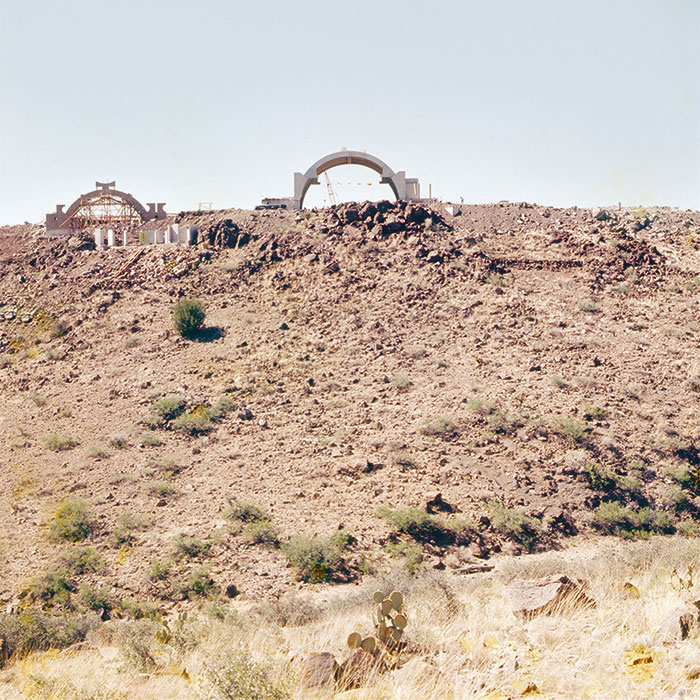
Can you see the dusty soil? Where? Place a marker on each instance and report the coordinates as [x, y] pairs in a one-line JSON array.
[[339, 333]]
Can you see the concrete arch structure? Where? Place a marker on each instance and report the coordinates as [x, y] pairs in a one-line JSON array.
[[105, 195], [401, 186]]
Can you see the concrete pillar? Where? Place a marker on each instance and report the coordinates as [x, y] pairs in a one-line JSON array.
[[110, 237], [126, 238], [158, 237], [99, 239]]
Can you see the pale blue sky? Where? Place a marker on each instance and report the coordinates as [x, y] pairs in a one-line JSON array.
[[557, 102]]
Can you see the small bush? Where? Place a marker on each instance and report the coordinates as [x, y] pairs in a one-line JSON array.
[[151, 439], [82, 560], [118, 441], [38, 399], [589, 306], [442, 426], [614, 519], [411, 553], [480, 406], [315, 558], [195, 422], [688, 478], [416, 523], [514, 524], [71, 521], [221, 408], [401, 381], [188, 317], [261, 532], [95, 598], [59, 443], [404, 459], [571, 428], [199, 583], [504, 423], [246, 512], [97, 452], [51, 588], [190, 547], [158, 570], [162, 489], [168, 408], [591, 412], [559, 381], [167, 464], [235, 676]]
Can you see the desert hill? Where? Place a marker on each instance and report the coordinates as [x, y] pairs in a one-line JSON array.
[[539, 368]]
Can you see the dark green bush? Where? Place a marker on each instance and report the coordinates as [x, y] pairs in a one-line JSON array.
[[188, 317], [316, 559], [614, 519], [516, 525], [82, 560]]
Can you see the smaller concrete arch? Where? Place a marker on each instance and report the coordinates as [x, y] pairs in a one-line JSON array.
[[81, 213], [401, 186]]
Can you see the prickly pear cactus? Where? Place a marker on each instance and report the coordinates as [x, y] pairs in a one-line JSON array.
[[389, 624]]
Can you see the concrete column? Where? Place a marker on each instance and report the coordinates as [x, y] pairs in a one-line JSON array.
[[126, 238], [110, 237], [99, 239], [158, 237]]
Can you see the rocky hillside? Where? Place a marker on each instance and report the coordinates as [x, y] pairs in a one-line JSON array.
[[398, 382]]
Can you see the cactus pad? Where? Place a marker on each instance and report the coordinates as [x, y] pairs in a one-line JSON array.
[[354, 640]]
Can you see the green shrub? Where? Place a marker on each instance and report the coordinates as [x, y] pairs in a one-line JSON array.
[[416, 523], [195, 422], [151, 439], [168, 407], [315, 558], [167, 464], [442, 425], [158, 570], [571, 428], [246, 512], [95, 598], [614, 519], [235, 676], [415, 351], [481, 406], [81, 560], [118, 441], [559, 381], [97, 452], [261, 532], [688, 478], [199, 583], [591, 412], [71, 521], [504, 423], [162, 489], [221, 408], [38, 399], [188, 317], [59, 443], [51, 588], [190, 547], [411, 553], [515, 524], [404, 459]]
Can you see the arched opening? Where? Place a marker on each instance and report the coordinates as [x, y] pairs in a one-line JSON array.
[[103, 208], [348, 183]]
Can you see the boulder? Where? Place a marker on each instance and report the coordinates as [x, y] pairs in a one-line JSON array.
[[320, 671], [551, 594]]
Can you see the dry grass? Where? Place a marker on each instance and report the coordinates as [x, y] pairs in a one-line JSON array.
[[469, 642]]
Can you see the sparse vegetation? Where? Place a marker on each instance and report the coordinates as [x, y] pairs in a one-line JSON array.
[[515, 524], [443, 426], [416, 352], [59, 443], [118, 441], [97, 452], [81, 560], [127, 527], [190, 547], [404, 459], [614, 519], [162, 489], [571, 428], [188, 317], [401, 381]]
